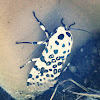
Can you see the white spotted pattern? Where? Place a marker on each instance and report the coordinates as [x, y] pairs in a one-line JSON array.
[[49, 65], [48, 81]]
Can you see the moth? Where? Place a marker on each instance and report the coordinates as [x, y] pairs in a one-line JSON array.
[[48, 66]]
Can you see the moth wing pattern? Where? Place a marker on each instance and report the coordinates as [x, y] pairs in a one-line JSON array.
[[49, 65]]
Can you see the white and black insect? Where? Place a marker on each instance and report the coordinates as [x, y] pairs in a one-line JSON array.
[[49, 65]]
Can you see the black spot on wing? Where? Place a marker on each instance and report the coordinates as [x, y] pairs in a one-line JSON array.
[[55, 71], [37, 76], [63, 45], [36, 67], [42, 58], [61, 36], [64, 52], [61, 57], [38, 83], [53, 61], [69, 43], [54, 66], [47, 75], [51, 56], [67, 33], [48, 63], [52, 75], [28, 83], [57, 58], [41, 84], [59, 63], [57, 42], [44, 78], [30, 76], [55, 51], [59, 70], [50, 69], [47, 40], [67, 55], [46, 50], [43, 70]]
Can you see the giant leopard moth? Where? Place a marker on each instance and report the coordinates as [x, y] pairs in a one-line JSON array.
[[49, 65]]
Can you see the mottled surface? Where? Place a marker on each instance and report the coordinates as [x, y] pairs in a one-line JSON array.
[[4, 95], [17, 24]]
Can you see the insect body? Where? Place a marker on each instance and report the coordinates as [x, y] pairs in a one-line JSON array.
[[49, 65]]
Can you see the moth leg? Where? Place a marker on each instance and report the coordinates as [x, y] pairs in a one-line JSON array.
[[42, 26], [34, 59], [40, 42]]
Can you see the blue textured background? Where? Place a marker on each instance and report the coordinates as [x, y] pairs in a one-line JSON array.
[[4, 95]]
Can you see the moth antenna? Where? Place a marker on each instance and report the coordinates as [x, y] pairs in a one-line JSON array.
[[70, 26], [76, 28], [62, 22], [80, 30]]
